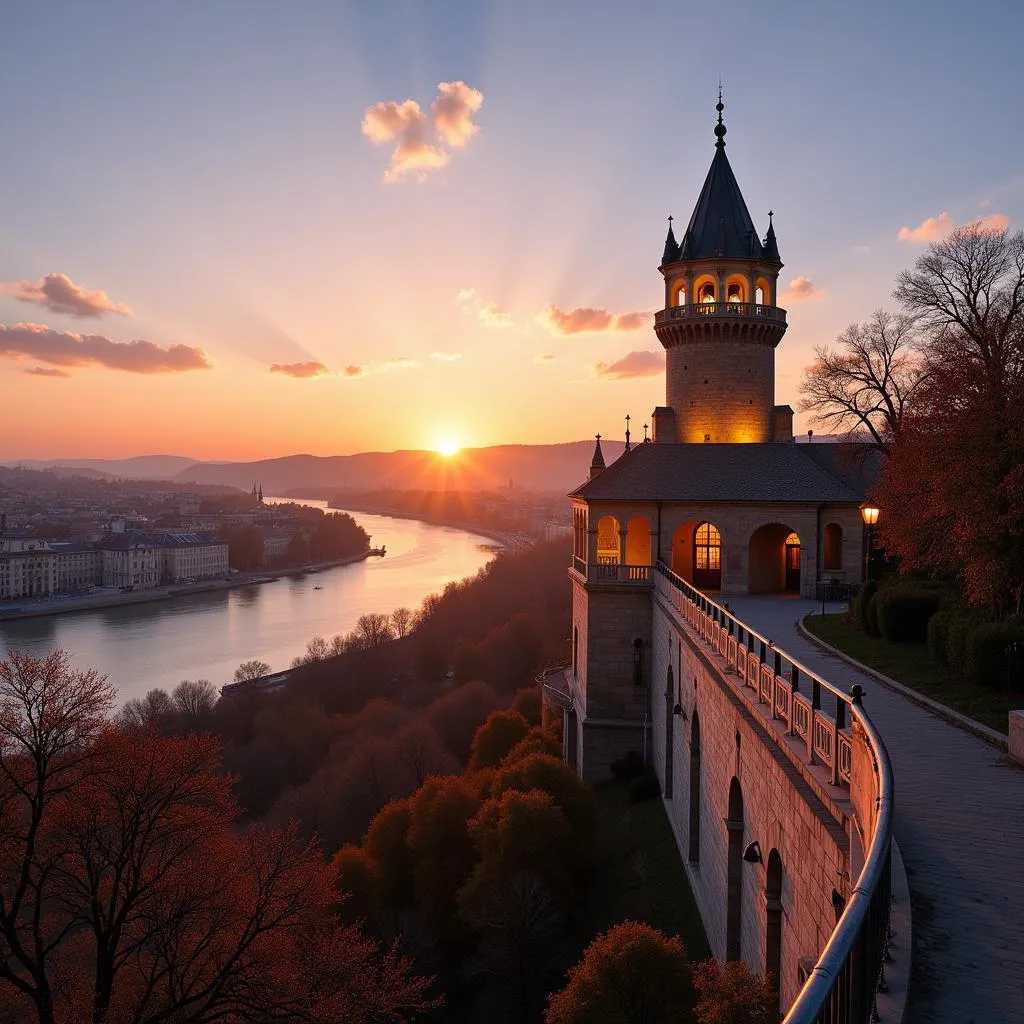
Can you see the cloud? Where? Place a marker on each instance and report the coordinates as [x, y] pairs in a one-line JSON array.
[[934, 229], [446, 357], [584, 320], [47, 371], [66, 348], [453, 112], [472, 303], [417, 135], [634, 364], [355, 371], [862, 248], [59, 294], [544, 357], [301, 371], [401, 363], [802, 289]]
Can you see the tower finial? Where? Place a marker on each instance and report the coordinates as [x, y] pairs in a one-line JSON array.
[[627, 432], [720, 128]]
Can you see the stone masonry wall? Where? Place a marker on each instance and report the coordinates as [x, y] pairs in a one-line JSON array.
[[780, 810]]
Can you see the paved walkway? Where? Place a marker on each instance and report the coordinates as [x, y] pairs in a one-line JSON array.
[[960, 826]]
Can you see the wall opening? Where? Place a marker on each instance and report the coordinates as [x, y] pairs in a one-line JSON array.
[[694, 830], [832, 553], [638, 541], [707, 557], [670, 719], [773, 921], [734, 874], [608, 541], [763, 286], [775, 560]]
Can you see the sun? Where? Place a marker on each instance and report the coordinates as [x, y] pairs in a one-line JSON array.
[[448, 447]]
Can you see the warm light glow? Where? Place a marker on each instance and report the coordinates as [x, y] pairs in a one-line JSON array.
[[448, 447], [869, 513]]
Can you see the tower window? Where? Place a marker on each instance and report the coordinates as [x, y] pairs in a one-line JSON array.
[[735, 294], [707, 292]]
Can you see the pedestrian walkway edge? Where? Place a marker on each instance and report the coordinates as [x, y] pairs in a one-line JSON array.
[[983, 732]]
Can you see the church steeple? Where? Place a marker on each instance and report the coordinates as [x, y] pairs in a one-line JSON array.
[[770, 245], [671, 253], [597, 462]]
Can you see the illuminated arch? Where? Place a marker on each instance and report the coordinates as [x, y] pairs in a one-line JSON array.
[[679, 292], [638, 541], [775, 559], [764, 286], [608, 552], [705, 289], [737, 288]]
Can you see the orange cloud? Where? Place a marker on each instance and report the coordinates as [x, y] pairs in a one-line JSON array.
[[446, 357], [66, 348], [355, 371], [301, 370], [993, 223], [634, 364], [544, 357], [417, 135], [934, 229], [584, 320], [453, 112], [472, 303], [59, 294], [401, 363], [802, 289], [47, 371]]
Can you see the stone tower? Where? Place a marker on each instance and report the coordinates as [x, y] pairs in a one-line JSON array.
[[721, 321]]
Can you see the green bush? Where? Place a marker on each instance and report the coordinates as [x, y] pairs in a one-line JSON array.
[[863, 602], [987, 660], [957, 631], [903, 611], [938, 634]]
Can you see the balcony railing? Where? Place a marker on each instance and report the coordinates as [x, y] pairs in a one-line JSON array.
[[607, 570], [842, 986], [695, 310]]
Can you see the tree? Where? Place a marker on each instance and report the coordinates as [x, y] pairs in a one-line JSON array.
[[152, 711], [335, 536], [541, 771], [866, 384], [495, 738], [245, 547], [422, 752], [297, 551], [155, 907], [373, 630], [953, 492], [730, 994], [194, 700], [456, 716], [631, 974], [251, 670], [317, 649], [403, 621]]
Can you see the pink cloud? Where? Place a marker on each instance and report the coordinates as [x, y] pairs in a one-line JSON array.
[[59, 294], [993, 223], [354, 371], [802, 289], [301, 371], [585, 320], [66, 348], [417, 135], [634, 364], [47, 371], [931, 229], [472, 303]]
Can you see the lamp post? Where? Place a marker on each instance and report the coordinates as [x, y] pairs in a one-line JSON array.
[[869, 513]]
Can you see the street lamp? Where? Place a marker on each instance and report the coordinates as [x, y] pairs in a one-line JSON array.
[[869, 513]]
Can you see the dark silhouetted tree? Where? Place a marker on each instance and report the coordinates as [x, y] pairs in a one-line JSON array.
[[251, 670]]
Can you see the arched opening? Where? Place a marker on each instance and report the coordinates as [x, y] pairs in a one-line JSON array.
[[774, 563], [832, 553], [608, 541], [638, 542], [734, 873], [694, 831], [679, 293], [704, 289], [670, 696], [707, 557], [773, 924], [736, 289], [763, 289]]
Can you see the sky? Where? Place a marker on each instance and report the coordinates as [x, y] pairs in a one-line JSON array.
[[241, 230]]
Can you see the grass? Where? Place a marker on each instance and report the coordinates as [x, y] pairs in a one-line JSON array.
[[639, 873], [914, 667]]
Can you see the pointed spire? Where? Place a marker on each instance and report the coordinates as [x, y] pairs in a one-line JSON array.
[[671, 253], [771, 245], [646, 428], [627, 432], [720, 128], [597, 462]]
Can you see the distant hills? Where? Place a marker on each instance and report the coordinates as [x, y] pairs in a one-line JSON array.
[[539, 467]]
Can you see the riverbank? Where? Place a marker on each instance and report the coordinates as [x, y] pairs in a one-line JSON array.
[[508, 539], [66, 605]]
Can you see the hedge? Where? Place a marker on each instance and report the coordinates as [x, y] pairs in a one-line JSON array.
[[987, 659], [938, 634], [903, 612], [957, 632]]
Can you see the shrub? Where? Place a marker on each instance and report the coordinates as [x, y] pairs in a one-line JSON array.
[[495, 738], [629, 766], [938, 634], [903, 612], [862, 602], [957, 632], [987, 660], [646, 787]]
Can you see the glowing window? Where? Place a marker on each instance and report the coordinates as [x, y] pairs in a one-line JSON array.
[[707, 292], [707, 547], [735, 293]]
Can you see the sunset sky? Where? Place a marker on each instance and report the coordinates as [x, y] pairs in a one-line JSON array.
[[338, 227]]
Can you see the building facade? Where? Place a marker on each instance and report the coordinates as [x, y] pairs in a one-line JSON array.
[[131, 561], [193, 556]]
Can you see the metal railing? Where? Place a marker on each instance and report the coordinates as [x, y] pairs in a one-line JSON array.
[[842, 986], [694, 310]]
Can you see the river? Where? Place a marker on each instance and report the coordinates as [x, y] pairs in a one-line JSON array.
[[207, 636]]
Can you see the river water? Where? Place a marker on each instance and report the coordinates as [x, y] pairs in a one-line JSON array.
[[206, 636]]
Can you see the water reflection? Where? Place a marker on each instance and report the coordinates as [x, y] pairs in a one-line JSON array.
[[209, 635]]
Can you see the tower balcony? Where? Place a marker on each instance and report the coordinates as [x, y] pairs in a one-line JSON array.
[[720, 321]]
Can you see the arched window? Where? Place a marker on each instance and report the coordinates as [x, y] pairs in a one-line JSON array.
[[669, 738], [773, 921], [833, 546], [734, 874], [694, 851], [793, 563], [707, 292], [681, 293], [707, 557], [735, 293], [759, 296], [608, 540]]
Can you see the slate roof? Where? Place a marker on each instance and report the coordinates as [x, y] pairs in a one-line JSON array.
[[776, 472]]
